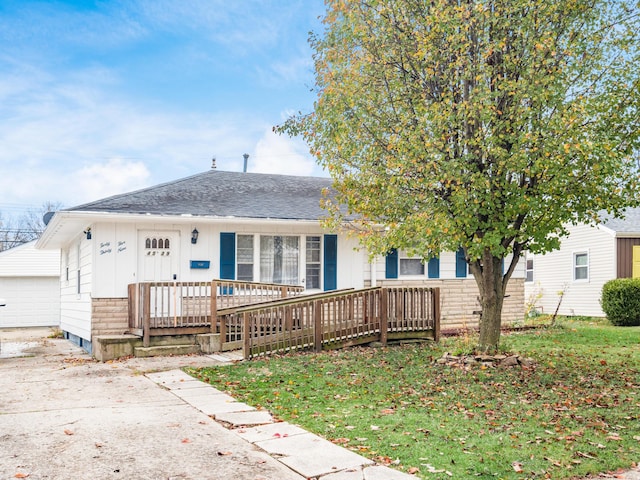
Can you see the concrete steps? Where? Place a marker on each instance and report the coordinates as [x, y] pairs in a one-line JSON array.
[[109, 347]]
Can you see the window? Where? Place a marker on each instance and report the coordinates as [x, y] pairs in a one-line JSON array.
[[244, 254], [151, 244], [78, 276], [279, 259], [410, 266], [312, 279], [581, 266], [529, 269]]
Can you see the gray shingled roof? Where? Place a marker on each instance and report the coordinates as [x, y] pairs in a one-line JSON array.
[[629, 224], [223, 194]]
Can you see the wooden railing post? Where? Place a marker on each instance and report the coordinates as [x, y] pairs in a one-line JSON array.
[[317, 325], [214, 307], [132, 292], [246, 335], [146, 313], [384, 314], [284, 292], [435, 298]]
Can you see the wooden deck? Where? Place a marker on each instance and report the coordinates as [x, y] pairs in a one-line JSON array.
[[264, 318]]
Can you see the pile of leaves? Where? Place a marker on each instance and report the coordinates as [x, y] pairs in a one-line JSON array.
[[574, 412]]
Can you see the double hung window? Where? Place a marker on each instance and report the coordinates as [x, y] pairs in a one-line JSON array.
[[581, 266], [312, 280]]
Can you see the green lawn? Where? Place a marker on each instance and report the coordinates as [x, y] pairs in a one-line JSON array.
[[575, 412]]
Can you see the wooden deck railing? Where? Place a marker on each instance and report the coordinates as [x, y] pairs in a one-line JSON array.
[[332, 320], [171, 308]]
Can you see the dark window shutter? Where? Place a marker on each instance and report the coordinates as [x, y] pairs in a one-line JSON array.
[[433, 268], [391, 265], [461, 264], [227, 256], [330, 262]]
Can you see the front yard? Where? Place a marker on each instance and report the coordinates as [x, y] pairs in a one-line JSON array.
[[574, 411]]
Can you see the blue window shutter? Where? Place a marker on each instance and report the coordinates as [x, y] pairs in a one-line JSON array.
[[502, 266], [227, 256], [461, 264], [391, 265], [330, 262], [433, 268]]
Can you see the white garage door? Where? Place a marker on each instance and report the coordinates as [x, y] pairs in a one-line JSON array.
[[30, 301]]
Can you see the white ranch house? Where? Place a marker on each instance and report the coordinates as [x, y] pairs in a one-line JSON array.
[[230, 225], [571, 279]]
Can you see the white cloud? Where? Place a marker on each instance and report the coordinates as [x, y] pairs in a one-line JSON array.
[[54, 133], [78, 123], [100, 180], [280, 154]]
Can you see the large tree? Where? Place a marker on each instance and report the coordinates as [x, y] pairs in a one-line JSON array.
[[483, 124]]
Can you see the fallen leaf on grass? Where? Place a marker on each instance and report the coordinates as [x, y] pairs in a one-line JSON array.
[[413, 470], [584, 455], [517, 467], [432, 469]]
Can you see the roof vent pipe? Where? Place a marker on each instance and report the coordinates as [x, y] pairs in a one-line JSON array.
[[246, 158]]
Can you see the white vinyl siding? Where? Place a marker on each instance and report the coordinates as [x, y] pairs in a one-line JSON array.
[[75, 308], [555, 272]]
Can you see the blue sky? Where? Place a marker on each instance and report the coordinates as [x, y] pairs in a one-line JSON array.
[[103, 97]]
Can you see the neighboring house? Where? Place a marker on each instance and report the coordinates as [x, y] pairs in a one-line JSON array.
[[570, 279], [228, 225], [30, 286]]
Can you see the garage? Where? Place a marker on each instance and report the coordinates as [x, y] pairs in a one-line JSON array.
[[30, 287]]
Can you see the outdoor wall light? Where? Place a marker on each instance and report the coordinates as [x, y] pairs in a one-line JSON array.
[[87, 232], [194, 236]]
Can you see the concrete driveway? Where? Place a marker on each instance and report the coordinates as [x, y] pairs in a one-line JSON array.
[[65, 416]]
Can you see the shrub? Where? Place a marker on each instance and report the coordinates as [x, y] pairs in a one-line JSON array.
[[621, 301]]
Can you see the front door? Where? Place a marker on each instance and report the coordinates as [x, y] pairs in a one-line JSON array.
[[159, 256], [636, 262]]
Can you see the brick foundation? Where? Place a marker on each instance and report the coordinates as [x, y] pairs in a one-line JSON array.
[[459, 305], [109, 316]]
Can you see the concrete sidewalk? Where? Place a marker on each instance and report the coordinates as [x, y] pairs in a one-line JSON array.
[[63, 415], [307, 454]]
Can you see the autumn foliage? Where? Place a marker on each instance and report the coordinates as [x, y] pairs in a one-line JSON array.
[[490, 125]]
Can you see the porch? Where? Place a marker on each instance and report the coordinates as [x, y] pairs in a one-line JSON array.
[[258, 318]]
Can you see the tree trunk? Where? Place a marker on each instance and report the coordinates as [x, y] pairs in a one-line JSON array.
[[491, 284]]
